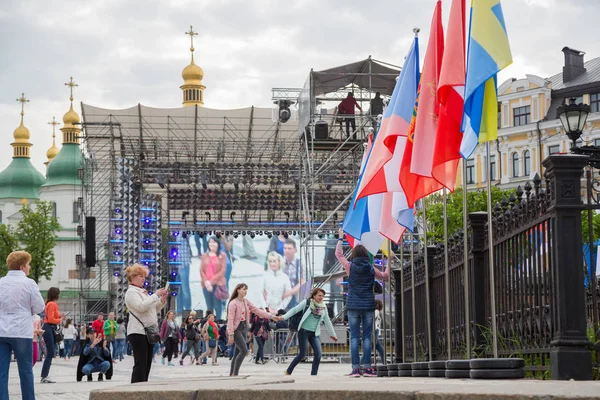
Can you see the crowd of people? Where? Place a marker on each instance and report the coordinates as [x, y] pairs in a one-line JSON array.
[[31, 327]]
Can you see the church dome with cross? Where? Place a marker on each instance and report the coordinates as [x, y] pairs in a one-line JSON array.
[[64, 168], [21, 180], [192, 74]]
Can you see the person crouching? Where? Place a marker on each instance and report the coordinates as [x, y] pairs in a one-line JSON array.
[[95, 357]]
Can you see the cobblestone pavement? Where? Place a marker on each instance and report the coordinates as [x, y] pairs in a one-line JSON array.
[[67, 388]]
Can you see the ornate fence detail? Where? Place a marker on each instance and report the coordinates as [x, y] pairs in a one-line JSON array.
[[539, 287]]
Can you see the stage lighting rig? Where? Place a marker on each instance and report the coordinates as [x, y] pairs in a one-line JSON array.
[[284, 113]]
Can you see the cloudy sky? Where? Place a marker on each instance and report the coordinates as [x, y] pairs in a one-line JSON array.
[[124, 52]]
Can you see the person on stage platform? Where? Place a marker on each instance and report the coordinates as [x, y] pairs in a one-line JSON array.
[[360, 303], [346, 108], [376, 109], [239, 314], [213, 266]]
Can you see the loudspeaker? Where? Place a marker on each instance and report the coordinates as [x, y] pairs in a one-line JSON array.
[[321, 130], [90, 242]]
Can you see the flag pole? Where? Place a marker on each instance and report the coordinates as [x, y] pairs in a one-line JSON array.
[[466, 268], [491, 250], [427, 300], [447, 275], [412, 292], [387, 283], [401, 311]]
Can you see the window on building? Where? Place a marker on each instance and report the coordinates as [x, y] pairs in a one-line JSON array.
[[595, 102], [578, 99], [520, 88], [54, 210], [75, 213], [515, 165], [470, 171], [492, 173], [526, 163], [555, 148], [521, 115], [499, 115]]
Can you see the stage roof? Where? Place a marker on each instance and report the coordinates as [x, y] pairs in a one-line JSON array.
[[369, 74]]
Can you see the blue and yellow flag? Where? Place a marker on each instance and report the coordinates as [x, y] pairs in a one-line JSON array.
[[488, 53]]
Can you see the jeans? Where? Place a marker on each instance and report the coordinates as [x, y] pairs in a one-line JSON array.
[[212, 303], [69, 347], [304, 338], [379, 346], [260, 353], [90, 367], [241, 348], [351, 121], [191, 345], [170, 348], [184, 298], [120, 349], [23, 349], [356, 318], [49, 340], [142, 357]]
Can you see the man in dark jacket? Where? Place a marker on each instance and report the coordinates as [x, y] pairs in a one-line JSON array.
[[94, 357]]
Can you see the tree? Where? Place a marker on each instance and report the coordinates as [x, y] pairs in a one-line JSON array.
[[8, 244], [476, 201], [36, 232]]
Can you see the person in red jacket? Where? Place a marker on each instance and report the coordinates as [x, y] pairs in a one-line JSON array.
[[98, 325], [346, 108]]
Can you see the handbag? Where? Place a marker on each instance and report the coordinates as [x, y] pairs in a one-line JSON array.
[[152, 332], [221, 292], [212, 343], [58, 334]]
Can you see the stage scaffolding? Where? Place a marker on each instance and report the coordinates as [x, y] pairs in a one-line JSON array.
[[228, 170], [333, 163]]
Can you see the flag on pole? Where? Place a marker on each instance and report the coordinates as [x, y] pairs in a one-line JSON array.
[[488, 53], [451, 89], [362, 222], [381, 171], [415, 172]]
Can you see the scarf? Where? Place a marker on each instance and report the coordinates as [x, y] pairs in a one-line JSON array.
[[317, 309]]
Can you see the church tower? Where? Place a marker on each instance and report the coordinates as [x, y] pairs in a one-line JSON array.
[[193, 89], [52, 151]]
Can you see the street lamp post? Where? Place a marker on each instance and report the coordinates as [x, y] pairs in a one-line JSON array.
[[573, 117]]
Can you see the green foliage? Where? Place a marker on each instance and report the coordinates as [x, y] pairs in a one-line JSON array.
[[36, 232], [476, 201], [8, 244], [584, 226]]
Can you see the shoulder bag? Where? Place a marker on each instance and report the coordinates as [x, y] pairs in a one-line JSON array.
[[152, 331]]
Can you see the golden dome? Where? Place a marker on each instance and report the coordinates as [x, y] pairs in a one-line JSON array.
[[71, 117], [192, 72], [21, 134], [52, 152]]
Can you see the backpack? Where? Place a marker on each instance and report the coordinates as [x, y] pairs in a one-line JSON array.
[[294, 321]]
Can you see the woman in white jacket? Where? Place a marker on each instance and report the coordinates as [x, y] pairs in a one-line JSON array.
[[145, 308], [276, 283]]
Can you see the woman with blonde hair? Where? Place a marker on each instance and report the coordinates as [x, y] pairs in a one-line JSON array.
[[143, 309], [276, 282], [239, 313], [314, 312]]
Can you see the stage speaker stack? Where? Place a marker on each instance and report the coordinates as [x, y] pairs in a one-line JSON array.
[[321, 130], [90, 242]]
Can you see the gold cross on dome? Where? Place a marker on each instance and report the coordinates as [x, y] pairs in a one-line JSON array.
[[54, 124], [71, 85], [22, 100], [192, 34]]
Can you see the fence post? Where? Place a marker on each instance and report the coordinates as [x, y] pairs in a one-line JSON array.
[[399, 312], [478, 270], [431, 253], [570, 356]]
